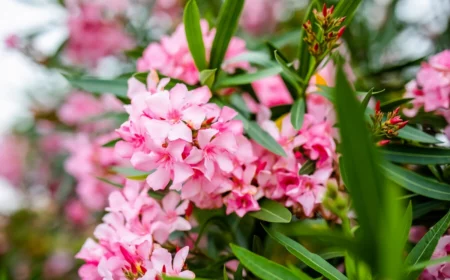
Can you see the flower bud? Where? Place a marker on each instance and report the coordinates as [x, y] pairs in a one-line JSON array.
[[383, 143]]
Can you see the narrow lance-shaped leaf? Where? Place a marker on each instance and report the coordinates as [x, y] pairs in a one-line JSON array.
[[366, 99], [273, 212], [207, 77], [262, 267], [416, 183], [406, 223], [374, 201], [310, 259], [226, 26], [298, 113], [247, 78], [117, 87], [425, 248], [412, 133], [191, 20], [416, 155]]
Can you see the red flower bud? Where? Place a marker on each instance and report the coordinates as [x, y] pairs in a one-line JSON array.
[[316, 47], [324, 10], [377, 107], [402, 124], [331, 9], [341, 31], [395, 112], [395, 120], [383, 142]]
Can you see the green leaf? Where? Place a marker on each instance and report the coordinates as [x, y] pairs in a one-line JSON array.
[[366, 99], [111, 143], [416, 155], [414, 134], [421, 209], [287, 70], [304, 55], [272, 211], [117, 185], [258, 58], [243, 79], [310, 259], [346, 9], [391, 105], [425, 248], [406, 223], [238, 103], [131, 173], [207, 77], [417, 183], [308, 168], [226, 26], [191, 20], [420, 266], [298, 113], [117, 87], [374, 201], [135, 53], [261, 137], [298, 272], [262, 267]]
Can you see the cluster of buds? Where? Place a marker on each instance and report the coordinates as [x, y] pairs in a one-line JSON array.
[[336, 201], [386, 127], [324, 40]]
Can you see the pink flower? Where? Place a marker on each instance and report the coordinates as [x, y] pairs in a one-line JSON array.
[[440, 271], [88, 160], [172, 58], [441, 61], [272, 91], [79, 107], [126, 248], [260, 16], [416, 233], [431, 89], [12, 41], [76, 212], [92, 36], [162, 262], [243, 197], [241, 203]]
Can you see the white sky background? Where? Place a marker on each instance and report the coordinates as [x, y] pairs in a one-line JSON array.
[[18, 76]]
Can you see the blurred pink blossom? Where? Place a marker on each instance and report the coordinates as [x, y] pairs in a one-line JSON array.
[[172, 58], [93, 36]]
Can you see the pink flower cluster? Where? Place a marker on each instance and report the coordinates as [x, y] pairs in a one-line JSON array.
[[260, 16], [180, 137], [87, 161], [171, 56], [126, 247], [92, 35], [80, 107], [440, 271], [431, 89], [279, 177]]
